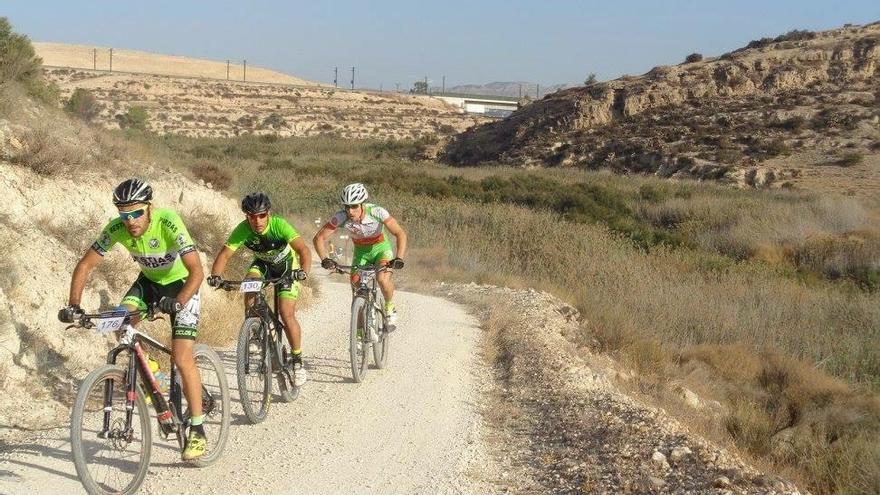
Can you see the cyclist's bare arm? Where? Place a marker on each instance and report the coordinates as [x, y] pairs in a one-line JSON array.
[[320, 240], [399, 234], [305, 256], [222, 259], [81, 275], [194, 279]]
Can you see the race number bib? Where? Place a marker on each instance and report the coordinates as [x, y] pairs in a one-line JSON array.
[[109, 322], [251, 286]]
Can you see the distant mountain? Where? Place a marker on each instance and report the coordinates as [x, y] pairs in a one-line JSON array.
[[512, 88]]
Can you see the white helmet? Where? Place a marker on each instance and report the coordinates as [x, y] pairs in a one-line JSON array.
[[354, 194]]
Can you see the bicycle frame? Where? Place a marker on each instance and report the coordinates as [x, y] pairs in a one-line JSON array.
[[168, 412], [368, 291], [269, 315]]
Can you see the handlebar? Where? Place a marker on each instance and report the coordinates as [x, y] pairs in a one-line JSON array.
[[84, 320], [344, 269], [232, 285]]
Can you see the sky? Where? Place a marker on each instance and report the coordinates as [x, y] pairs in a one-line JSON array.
[[390, 42]]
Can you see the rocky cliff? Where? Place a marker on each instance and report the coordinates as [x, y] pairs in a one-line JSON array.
[[714, 118]]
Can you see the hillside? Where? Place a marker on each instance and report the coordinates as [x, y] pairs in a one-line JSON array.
[[90, 57], [212, 108], [57, 177], [799, 110]]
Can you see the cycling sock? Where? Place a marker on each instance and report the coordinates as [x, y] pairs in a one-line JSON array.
[[196, 423]]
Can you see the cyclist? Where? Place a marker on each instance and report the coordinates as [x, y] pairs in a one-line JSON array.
[[273, 242], [170, 277], [367, 224]]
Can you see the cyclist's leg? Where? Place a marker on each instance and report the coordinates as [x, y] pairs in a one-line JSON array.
[[256, 271], [184, 331], [139, 295], [382, 254]]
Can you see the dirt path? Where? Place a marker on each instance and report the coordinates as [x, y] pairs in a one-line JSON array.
[[410, 428]]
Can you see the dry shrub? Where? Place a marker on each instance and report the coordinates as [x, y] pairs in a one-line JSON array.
[[208, 230], [218, 177], [77, 236], [46, 155], [788, 411], [853, 254], [222, 315]]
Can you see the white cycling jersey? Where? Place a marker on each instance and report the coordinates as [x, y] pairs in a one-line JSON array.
[[370, 230]]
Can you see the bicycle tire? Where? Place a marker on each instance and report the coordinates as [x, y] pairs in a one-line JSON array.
[[358, 353], [380, 348], [251, 338], [216, 422], [82, 446], [286, 390]]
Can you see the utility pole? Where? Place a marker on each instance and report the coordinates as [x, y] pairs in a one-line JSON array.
[[352, 77], [398, 87], [520, 91], [537, 91], [111, 60], [336, 77], [244, 72], [227, 69], [94, 59], [443, 87], [426, 86]]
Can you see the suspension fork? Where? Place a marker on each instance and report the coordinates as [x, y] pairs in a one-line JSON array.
[[108, 390]]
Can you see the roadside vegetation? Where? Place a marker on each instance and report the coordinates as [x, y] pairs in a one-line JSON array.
[[764, 301]]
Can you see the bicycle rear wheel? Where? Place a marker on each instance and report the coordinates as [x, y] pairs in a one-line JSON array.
[[215, 403], [118, 462], [254, 370], [358, 342]]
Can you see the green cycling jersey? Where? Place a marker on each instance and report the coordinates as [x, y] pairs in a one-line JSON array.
[[158, 250], [272, 245]]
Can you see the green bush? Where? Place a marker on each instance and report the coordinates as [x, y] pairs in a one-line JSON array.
[[18, 60], [83, 104], [693, 57], [135, 118]]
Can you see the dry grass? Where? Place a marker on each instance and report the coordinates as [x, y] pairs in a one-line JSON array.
[[648, 307], [43, 153]]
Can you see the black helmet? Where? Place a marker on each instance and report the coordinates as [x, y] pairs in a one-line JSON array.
[[255, 203], [131, 192]]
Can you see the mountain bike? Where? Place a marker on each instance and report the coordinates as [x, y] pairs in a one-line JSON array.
[[262, 349], [110, 431], [369, 328]]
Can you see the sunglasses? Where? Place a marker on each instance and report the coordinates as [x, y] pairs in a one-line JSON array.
[[258, 216], [350, 207], [132, 215]]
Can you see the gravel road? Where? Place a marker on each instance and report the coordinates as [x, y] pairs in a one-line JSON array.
[[413, 427]]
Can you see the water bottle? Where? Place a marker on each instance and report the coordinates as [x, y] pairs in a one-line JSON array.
[[163, 380]]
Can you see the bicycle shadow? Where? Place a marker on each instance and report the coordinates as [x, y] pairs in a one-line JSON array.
[[37, 451], [328, 370]]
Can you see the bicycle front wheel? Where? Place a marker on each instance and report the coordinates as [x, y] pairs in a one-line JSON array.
[[215, 402], [112, 460], [254, 370], [358, 342], [380, 348]]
